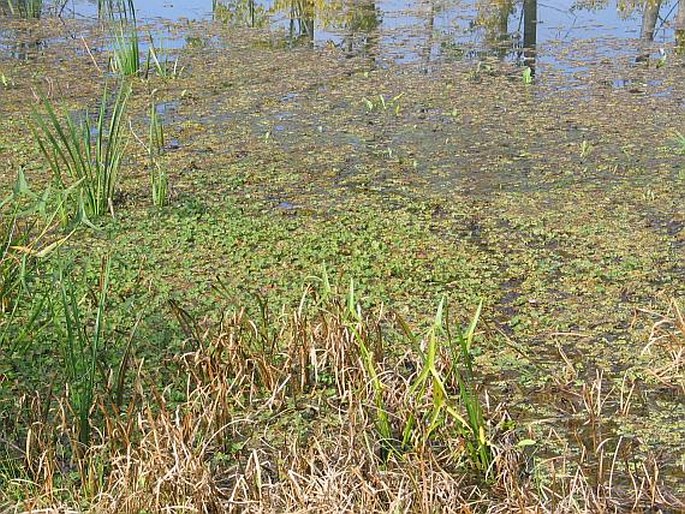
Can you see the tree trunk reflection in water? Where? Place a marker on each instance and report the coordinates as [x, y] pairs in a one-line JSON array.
[[430, 30], [362, 19], [240, 12], [302, 21], [650, 15], [493, 17], [530, 33], [649, 19]]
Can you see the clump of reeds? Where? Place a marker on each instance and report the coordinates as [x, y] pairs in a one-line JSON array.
[[159, 180], [121, 17], [25, 8], [126, 49], [86, 155], [309, 410], [116, 9]]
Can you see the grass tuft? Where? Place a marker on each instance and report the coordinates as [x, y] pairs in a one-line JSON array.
[[159, 180], [84, 155], [666, 349], [126, 52], [158, 59]]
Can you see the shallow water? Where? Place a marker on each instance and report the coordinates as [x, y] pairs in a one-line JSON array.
[[409, 31]]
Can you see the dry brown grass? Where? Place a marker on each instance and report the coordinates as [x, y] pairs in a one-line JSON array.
[[280, 415], [666, 348]]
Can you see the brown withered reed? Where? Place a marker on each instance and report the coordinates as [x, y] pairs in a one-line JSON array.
[[282, 413]]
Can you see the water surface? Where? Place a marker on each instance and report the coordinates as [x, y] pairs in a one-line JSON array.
[[408, 31]]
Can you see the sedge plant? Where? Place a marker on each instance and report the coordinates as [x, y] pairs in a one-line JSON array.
[[383, 424], [81, 348], [126, 51], [430, 406], [434, 382], [25, 8], [159, 181], [84, 154], [158, 59], [26, 225], [159, 185], [475, 428]]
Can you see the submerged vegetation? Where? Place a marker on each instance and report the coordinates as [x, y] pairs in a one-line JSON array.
[[428, 289]]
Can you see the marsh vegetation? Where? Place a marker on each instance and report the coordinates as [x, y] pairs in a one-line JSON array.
[[245, 269]]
